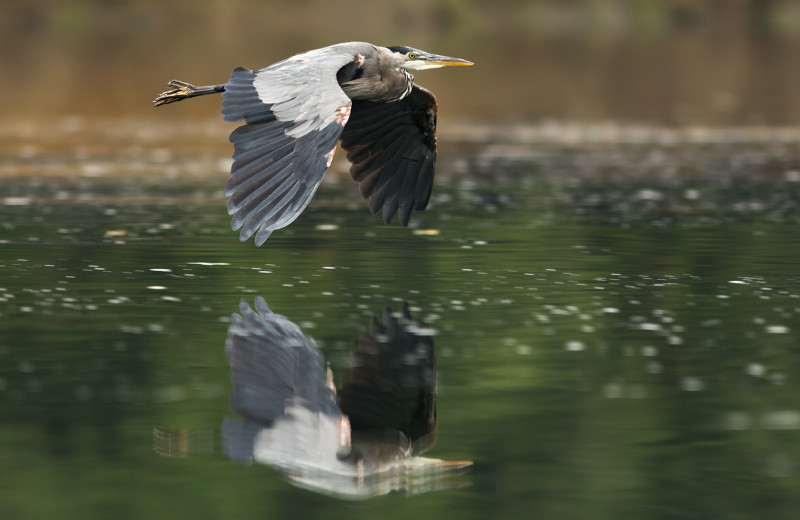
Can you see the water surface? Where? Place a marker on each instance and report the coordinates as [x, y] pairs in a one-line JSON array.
[[616, 316]]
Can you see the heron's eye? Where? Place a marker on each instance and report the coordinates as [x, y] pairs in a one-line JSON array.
[[411, 55]]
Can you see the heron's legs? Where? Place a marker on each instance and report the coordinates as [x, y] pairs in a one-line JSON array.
[[182, 90]]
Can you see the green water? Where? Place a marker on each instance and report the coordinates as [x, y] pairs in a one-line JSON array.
[[617, 331]]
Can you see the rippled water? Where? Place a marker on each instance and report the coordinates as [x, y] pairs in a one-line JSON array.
[[616, 316]]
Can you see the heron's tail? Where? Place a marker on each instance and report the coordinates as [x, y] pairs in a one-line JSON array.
[[182, 90]]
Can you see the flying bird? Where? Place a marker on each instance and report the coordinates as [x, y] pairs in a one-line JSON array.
[[296, 111]]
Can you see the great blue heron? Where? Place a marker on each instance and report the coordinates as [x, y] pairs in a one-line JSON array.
[[296, 110], [360, 440]]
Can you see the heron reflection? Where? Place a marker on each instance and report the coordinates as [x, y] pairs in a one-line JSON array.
[[362, 440]]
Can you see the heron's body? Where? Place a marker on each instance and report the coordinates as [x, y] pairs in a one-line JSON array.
[[295, 112]]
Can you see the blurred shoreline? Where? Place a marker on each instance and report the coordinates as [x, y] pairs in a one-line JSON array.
[[663, 63]]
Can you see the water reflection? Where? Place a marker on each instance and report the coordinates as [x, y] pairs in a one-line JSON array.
[[360, 441]]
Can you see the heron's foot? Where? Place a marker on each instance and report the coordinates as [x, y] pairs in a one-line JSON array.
[[180, 91]]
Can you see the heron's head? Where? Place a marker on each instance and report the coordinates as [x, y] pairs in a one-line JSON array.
[[415, 59]]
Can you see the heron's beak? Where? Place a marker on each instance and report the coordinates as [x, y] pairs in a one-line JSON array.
[[422, 61], [441, 61]]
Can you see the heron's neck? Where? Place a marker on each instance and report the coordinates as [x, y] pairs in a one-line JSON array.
[[409, 84]]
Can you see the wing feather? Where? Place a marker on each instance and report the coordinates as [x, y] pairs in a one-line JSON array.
[[294, 113], [393, 150]]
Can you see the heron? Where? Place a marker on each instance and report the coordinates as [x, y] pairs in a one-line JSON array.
[[297, 110]]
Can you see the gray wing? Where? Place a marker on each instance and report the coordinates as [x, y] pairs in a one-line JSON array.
[[393, 150], [274, 363], [294, 112]]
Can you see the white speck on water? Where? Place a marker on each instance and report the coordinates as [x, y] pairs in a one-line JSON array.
[[649, 195], [649, 326], [209, 263], [156, 287], [613, 390], [131, 329], [675, 340], [692, 384], [17, 201], [170, 394], [328, 267], [265, 271], [326, 227], [777, 378], [793, 176], [654, 367], [327, 293], [781, 420], [737, 421], [523, 350], [170, 298], [649, 351], [574, 346], [776, 329], [755, 369], [741, 282], [161, 270], [610, 310]]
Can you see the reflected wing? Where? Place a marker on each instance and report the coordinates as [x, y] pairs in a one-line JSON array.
[[294, 112], [273, 364], [393, 150], [392, 380]]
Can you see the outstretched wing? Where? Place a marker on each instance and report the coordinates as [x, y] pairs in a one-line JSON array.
[[393, 150], [294, 112]]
